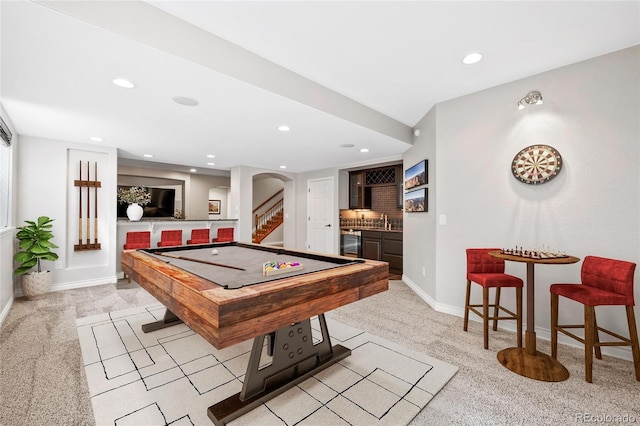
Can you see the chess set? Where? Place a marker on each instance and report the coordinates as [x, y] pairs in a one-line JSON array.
[[534, 253]]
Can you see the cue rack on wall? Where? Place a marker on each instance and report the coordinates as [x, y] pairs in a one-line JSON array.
[[87, 204]]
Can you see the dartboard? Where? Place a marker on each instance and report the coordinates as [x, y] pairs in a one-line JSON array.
[[536, 164]]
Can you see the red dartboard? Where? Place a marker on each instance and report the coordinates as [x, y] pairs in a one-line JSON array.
[[536, 164]]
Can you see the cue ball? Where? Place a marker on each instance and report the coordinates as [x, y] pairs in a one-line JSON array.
[[214, 251]]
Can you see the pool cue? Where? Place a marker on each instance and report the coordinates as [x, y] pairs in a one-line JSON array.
[[80, 208], [175, 256], [95, 205], [88, 203]]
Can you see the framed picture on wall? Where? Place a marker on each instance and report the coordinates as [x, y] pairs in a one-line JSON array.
[[214, 206], [416, 201], [416, 175]]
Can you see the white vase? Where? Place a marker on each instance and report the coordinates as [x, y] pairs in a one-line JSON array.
[[134, 212], [36, 284]]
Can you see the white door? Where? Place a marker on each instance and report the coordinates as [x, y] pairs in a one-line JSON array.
[[320, 215]]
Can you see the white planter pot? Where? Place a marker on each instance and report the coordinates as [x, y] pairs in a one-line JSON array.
[[36, 284], [134, 212]]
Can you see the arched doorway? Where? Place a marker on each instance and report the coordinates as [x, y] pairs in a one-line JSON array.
[[268, 209]]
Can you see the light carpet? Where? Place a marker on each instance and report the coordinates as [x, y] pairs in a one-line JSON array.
[[171, 377]]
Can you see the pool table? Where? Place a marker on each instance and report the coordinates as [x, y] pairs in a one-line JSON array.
[[221, 291]]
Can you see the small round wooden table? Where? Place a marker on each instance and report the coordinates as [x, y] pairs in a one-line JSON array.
[[528, 361]]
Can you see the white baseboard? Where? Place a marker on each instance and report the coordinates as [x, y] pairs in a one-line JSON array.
[[76, 284], [5, 310], [541, 333]]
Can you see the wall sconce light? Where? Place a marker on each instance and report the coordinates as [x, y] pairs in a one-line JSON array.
[[532, 98]]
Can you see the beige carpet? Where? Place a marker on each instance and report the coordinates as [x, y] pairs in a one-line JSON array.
[[171, 376], [44, 383]]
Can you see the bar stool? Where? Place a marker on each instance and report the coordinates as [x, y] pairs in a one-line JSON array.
[[224, 235], [199, 236], [488, 271], [604, 282], [137, 240], [170, 238]]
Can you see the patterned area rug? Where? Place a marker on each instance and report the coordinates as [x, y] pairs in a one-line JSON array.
[[171, 377]]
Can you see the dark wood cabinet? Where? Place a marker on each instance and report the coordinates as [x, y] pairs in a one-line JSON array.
[[372, 245], [359, 194], [392, 251], [385, 246]]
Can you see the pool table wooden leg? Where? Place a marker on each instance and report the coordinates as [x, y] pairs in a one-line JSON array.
[[169, 319]]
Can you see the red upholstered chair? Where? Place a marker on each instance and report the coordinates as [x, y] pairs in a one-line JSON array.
[[224, 235], [170, 238], [603, 282], [488, 271], [199, 236], [137, 240]]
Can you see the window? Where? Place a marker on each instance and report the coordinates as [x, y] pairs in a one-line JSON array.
[[5, 175]]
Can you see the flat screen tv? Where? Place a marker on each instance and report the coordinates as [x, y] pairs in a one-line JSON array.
[[162, 203]]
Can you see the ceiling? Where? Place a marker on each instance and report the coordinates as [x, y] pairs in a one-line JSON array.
[[342, 75]]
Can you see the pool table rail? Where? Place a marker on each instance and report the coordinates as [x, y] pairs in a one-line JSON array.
[[225, 317]]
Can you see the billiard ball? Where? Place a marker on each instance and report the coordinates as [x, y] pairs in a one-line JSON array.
[[214, 251]]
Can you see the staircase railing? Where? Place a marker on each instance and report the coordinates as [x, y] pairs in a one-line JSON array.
[[268, 200], [268, 221]]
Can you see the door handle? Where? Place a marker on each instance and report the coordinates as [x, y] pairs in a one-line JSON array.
[[328, 226]]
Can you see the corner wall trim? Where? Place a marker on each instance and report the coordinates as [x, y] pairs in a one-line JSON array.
[[5, 310]]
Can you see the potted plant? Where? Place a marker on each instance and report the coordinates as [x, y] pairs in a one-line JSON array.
[[35, 246], [136, 197]]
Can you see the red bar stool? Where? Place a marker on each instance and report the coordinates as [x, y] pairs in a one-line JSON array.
[[170, 238], [604, 282], [199, 236], [224, 235], [488, 271], [137, 240]]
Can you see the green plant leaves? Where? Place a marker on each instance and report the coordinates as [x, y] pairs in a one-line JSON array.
[[35, 245]]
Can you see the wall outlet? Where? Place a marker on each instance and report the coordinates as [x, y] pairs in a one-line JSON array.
[[58, 264], [424, 271], [442, 219]]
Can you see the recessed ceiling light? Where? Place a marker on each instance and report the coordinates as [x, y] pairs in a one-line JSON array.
[[364, 150], [211, 164], [148, 155], [347, 145], [284, 128], [183, 100], [211, 156], [96, 139], [123, 82], [472, 58], [283, 167], [192, 170]]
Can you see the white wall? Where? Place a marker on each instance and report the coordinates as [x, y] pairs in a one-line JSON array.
[[222, 195], [241, 202], [419, 258], [46, 170], [197, 189], [265, 187], [591, 116]]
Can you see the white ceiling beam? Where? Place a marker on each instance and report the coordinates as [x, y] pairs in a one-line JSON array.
[[139, 21]]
